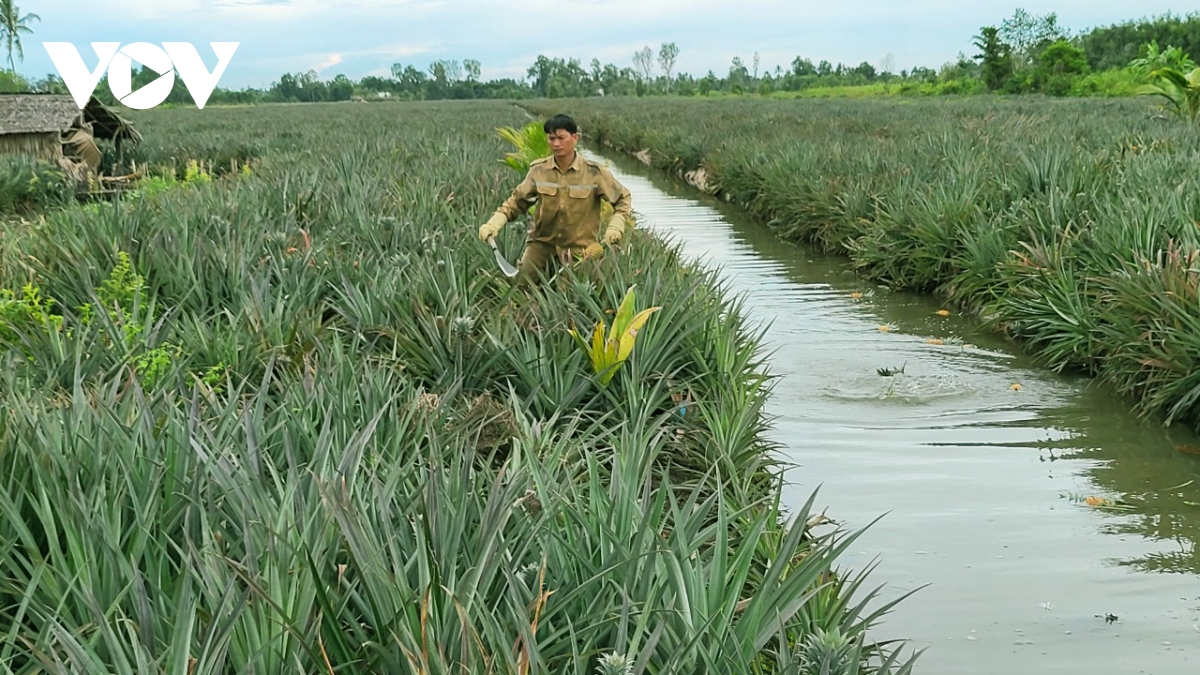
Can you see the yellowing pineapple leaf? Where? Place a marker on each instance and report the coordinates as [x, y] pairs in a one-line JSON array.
[[642, 317], [607, 374], [624, 314], [598, 347], [630, 334]]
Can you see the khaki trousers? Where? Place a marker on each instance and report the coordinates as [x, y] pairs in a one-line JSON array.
[[540, 259]]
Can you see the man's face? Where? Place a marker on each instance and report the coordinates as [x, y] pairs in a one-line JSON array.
[[562, 143]]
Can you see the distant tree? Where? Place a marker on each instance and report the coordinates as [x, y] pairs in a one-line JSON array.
[[1027, 35], [610, 79], [445, 72], [412, 81], [995, 58], [313, 87], [12, 25], [51, 84], [738, 75], [802, 67], [887, 65], [340, 89], [1116, 45], [865, 70], [11, 83], [287, 88], [372, 83], [626, 81], [1058, 66], [554, 78], [471, 67], [923, 74], [541, 73], [667, 54], [643, 61], [1061, 57]]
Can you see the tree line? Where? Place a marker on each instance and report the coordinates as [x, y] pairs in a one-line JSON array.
[[1023, 53]]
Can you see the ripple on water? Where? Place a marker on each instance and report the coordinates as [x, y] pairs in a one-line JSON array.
[[899, 389]]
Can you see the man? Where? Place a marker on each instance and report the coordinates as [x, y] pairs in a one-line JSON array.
[[567, 189]]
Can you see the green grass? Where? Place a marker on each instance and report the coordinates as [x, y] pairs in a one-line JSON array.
[[294, 420], [1068, 224]]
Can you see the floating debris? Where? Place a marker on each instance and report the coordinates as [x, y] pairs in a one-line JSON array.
[[888, 372], [943, 312], [1099, 502], [1016, 386]]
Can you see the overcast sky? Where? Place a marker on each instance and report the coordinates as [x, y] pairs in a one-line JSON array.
[[362, 37]]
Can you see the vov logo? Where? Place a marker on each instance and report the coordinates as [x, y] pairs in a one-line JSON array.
[[172, 58]]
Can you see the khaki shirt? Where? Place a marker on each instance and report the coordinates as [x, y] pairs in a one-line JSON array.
[[568, 203]]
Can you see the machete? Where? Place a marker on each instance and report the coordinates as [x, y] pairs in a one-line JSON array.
[[505, 266]]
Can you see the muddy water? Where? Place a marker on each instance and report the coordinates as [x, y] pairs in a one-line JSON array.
[[979, 482]]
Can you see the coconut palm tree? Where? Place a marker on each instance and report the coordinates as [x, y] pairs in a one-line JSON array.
[[12, 24]]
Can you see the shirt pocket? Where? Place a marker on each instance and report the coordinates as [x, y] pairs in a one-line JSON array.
[[580, 191], [547, 190]]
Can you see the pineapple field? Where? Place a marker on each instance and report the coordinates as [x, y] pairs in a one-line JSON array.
[[276, 410]]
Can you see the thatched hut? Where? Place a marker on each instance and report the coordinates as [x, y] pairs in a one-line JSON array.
[[53, 128], [33, 125]]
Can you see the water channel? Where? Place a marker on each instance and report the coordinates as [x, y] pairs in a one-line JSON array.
[[979, 461]]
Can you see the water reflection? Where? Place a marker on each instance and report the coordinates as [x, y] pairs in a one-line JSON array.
[[1138, 464]]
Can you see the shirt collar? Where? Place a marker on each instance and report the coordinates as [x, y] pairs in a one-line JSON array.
[[576, 165]]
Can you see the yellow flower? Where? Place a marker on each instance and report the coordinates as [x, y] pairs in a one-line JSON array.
[[934, 341], [856, 295], [943, 312], [1015, 386]]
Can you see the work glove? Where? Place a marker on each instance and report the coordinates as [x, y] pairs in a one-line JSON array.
[[616, 228], [492, 227], [593, 250]]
